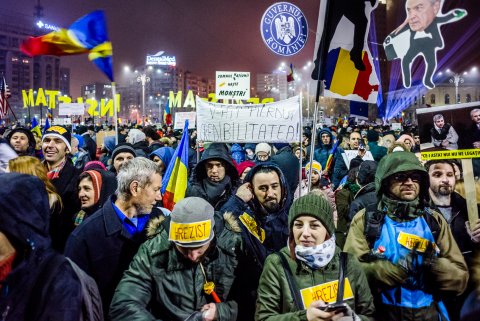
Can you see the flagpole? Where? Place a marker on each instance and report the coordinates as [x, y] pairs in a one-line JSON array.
[[10, 108], [320, 88], [300, 139], [114, 91]]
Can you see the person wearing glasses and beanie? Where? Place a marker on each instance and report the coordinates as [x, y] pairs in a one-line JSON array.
[[302, 280], [405, 247]]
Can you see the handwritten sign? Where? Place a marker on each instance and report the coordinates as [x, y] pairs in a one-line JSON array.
[[232, 85], [411, 241], [327, 292], [274, 123], [190, 232], [180, 118]]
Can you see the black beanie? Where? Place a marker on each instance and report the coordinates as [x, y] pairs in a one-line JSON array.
[[123, 148]]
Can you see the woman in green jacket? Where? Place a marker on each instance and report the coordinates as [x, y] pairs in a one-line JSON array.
[[314, 264]]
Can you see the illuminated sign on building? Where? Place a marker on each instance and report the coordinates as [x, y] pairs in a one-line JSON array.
[[160, 60], [42, 25]]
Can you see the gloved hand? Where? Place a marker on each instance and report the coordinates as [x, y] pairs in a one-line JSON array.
[[474, 232]]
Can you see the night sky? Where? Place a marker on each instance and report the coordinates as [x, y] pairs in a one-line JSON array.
[[204, 35], [209, 35]]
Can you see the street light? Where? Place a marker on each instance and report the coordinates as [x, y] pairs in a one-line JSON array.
[[143, 78], [456, 80]]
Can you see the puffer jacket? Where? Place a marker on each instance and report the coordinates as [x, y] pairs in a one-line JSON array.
[[448, 273], [24, 294], [162, 285], [275, 301]]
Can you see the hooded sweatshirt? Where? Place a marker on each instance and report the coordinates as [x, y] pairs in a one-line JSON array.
[[24, 220], [216, 193]]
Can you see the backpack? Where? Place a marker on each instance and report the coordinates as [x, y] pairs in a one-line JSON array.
[[91, 301], [374, 219]]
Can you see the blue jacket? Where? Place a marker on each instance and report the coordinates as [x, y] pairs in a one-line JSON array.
[[276, 234]]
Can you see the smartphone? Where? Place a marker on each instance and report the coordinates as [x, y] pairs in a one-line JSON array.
[[361, 146], [337, 308]]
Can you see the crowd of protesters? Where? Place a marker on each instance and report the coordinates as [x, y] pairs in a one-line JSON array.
[[265, 231]]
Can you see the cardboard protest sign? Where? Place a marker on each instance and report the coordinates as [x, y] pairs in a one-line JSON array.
[[180, 118], [273, 123]]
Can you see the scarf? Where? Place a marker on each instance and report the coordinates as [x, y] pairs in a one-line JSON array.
[[52, 174], [401, 210], [317, 256], [352, 187], [215, 190], [6, 267]]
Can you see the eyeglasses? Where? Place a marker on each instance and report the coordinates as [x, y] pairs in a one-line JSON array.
[[403, 177]]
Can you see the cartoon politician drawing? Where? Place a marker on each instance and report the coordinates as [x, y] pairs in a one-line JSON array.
[[418, 35]]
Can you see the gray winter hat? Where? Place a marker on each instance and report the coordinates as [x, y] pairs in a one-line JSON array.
[[192, 223]]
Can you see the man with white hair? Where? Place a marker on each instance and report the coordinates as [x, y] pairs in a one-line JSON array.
[[443, 135], [105, 243]]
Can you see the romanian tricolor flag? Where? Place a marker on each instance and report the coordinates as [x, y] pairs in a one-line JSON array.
[[36, 128], [175, 179], [330, 157], [341, 76], [167, 114], [290, 74], [86, 35]]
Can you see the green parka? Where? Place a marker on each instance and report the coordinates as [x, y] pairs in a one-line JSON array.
[[275, 301], [448, 275], [162, 285]]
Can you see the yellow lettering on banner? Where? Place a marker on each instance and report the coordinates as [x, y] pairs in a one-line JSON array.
[[190, 100], [451, 154], [51, 97], [327, 292], [190, 232], [175, 100], [252, 226], [411, 241]]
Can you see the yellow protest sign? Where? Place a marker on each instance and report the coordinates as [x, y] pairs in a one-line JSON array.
[[451, 154], [190, 232], [411, 241], [252, 227], [327, 292]]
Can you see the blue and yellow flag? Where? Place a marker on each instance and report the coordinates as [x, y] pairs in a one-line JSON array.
[[86, 35], [36, 128]]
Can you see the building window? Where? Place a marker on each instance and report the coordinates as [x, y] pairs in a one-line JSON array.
[[447, 99], [469, 98], [432, 99]]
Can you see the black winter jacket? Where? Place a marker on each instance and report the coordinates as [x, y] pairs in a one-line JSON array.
[[24, 212]]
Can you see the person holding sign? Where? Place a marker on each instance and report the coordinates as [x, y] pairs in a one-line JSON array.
[[185, 271], [405, 247], [301, 281]]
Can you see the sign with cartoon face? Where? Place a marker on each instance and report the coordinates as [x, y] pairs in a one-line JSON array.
[[419, 35]]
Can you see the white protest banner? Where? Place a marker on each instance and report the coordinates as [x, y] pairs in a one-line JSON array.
[[273, 123], [232, 85], [71, 109], [396, 126], [180, 118], [348, 155]]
